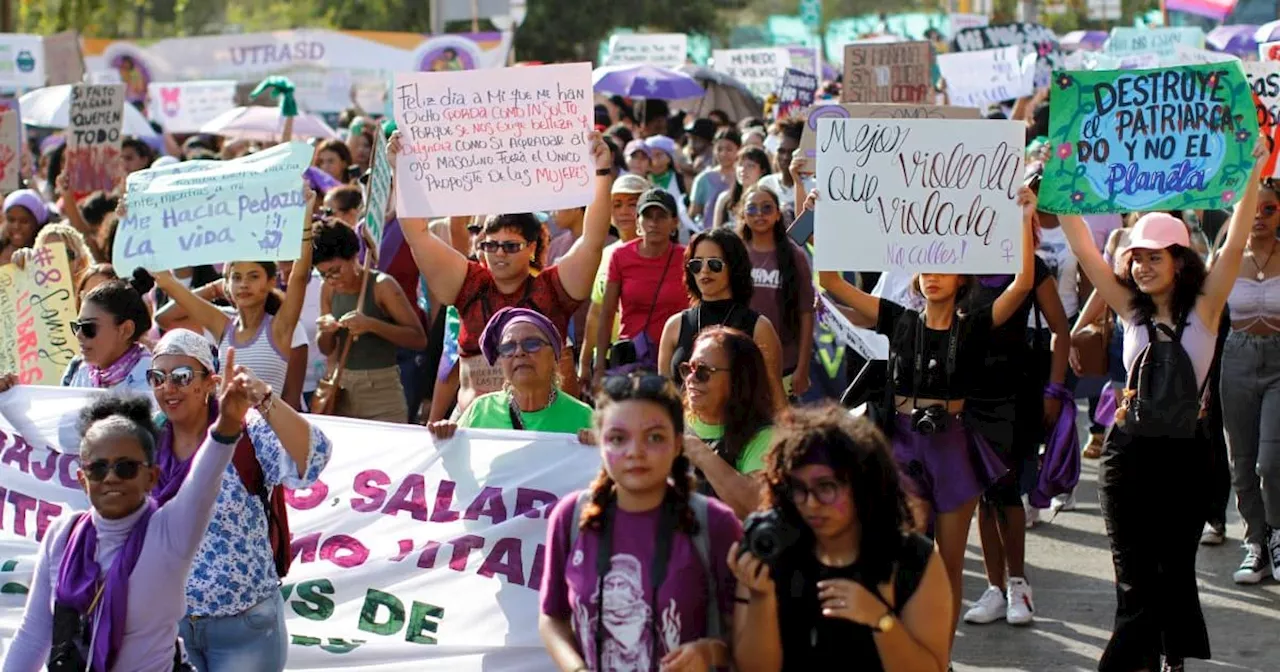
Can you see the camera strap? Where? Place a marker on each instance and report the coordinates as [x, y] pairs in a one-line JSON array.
[[657, 574], [953, 340]]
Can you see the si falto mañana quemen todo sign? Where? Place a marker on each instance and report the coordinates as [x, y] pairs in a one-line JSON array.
[[1163, 139]]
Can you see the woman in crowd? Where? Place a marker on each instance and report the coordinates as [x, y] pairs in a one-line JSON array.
[[1162, 293], [120, 570], [235, 614], [644, 282], [713, 181], [114, 317], [637, 157], [813, 607], [948, 463], [662, 165], [371, 388], [92, 277], [333, 157], [24, 214], [753, 164], [783, 283], [344, 203], [528, 347], [361, 142], [1250, 390], [635, 573], [728, 415]]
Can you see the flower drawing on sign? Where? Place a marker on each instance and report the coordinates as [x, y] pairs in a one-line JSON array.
[[1065, 150], [1228, 196], [1065, 81], [1077, 197], [1243, 135]]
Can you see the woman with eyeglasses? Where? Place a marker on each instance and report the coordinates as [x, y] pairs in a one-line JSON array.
[[371, 387], [753, 164], [113, 320], [527, 346], [783, 283], [334, 158], [857, 590], [636, 577], [728, 415], [234, 612], [108, 589]]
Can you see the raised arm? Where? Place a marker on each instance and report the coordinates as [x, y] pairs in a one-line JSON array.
[[443, 268], [1226, 265], [29, 649], [204, 313], [865, 306], [296, 292], [172, 316], [1007, 303], [578, 266], [1100, 273]]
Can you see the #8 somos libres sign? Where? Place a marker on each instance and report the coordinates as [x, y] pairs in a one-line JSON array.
[[1163, 139]]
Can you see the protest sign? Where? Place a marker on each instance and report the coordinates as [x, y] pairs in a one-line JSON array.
[[1163, 139], [919, 195], [63, 60], [961, 21], [1269, 51], [494, 141], [414, 554], [183, 107], [208, 212], [379, 190], [760, 69], [809, 137], [663, 49], [11, 136], [1030, 37], [1160, 41], [981, 78], [1188, 55], [37, 304], [887, 73], [21, 61], [806, 59], [867, 343], [1264, 79], [796, 93], [93, 139]]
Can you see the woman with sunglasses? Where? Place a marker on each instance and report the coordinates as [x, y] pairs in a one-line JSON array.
[[113, 320], [717, 276], [857, 590], [119, 571], [234, 612], [636, 577], [728, 415], [527, 346], [753, 164]]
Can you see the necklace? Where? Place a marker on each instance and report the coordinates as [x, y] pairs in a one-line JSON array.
[[516, 407], [724, 322], [1262, 269]]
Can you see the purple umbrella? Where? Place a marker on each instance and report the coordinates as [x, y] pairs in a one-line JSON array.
[[1235, 40], [644, 81], [1083, 40], [1267, 32]]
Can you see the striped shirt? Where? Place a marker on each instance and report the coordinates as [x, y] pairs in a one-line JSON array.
[[260, 355]]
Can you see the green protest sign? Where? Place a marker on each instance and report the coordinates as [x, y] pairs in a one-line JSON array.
[[1163, 139]]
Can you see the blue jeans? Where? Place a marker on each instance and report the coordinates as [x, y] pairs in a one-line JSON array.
[[413, 377], [254, 639]]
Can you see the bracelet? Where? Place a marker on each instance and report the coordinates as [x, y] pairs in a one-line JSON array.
[[268, 402], [1055, 389], [604, 172], [227, 440]]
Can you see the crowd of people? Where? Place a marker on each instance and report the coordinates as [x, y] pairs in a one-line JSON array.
[[738, 519]]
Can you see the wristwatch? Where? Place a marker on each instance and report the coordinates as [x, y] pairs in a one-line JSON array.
[[886, 622]]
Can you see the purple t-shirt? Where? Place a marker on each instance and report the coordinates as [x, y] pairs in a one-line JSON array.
[[569, 585], [766, 301]]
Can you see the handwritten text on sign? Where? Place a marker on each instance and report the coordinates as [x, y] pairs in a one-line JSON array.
[[796, 92], [887, 73], [1030, 37], [665, 49], [809, 137], [760, 69], [980, 78], [208, 212], [1150, 140], [493, 141], [1163, 41], [38, 305], [183, 107], [379, 189], [919, 195], [93, 140]]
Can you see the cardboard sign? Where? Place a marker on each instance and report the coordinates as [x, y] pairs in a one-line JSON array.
[[208, 212], [379, 190], [919, 195], [184, 107], [63, 59], [809, 138], [1164, 139], [796, 93], [1269, 51], [37, 305], [494, 141], [10, 145], [981, 78], [1030, 37], [759, 69], [1188, 55], [1264, 79], [93, 139], [665, 49], [1160, 41], [887, 73]]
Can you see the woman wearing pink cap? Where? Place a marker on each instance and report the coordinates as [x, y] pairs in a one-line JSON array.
[[1169, 307]]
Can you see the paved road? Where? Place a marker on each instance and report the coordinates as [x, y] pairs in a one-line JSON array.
[[1069, 564]]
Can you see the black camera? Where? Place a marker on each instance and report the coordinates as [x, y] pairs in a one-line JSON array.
[[767, 535], [929, 420]]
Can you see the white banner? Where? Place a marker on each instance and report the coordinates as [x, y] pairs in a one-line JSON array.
[[760, 69], [21, 61], [919, 195], [664, 49], [1185, 55], [183, 107], [981, 78], [405, 554], [1160, 41]]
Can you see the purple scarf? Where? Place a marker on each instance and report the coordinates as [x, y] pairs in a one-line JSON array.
[[78, 582], [1061, 470], [173, 471], [118, 370]]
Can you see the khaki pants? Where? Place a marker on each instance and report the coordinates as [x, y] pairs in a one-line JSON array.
[[373, 394]]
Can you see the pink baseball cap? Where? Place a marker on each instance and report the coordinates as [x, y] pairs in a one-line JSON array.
[[1156, 231]]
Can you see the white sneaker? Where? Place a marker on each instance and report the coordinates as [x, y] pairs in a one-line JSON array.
[[1021, 610], [1066, 502], [1273, 544], [1033, 516], [989, 608], [1213, 536], [1254, 566]]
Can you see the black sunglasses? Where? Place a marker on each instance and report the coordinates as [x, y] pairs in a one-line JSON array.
[[826, 491], [528, 345], [180, 377], [695, 265], [126, 469], [86, 328], [623, 387], [701, 372], [474, 229], [766, 209], [508, 246]]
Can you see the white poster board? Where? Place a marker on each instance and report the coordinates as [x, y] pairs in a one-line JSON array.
[[760, 69], [665, 49], [183, 107], [981, 78], [919, 195], [1160, 41]]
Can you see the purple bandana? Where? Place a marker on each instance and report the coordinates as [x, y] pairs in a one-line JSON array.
[[173, 471], [118, 370]]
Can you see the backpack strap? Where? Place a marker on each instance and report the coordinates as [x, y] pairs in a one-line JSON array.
[[578, 506], [702, 544]]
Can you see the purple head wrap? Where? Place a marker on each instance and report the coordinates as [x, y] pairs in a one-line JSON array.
[[31, 201], [492, 334]]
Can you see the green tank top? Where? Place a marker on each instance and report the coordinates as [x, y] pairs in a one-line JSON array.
[[370, 351]]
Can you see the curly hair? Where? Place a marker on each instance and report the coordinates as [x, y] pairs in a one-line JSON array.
[[527, 225], [788, 271], [1188, 283], [736, 259], [122, 299], [657, 390], [133, 410], [749, 407], [860, 456], [332, 239]]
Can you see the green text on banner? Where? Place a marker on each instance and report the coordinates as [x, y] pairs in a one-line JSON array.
[[379, 190], [493, 141], [1163, 139], [919, 195], [208, 212]]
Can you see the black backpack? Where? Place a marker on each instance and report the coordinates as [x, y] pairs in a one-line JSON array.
[[1162, 398]]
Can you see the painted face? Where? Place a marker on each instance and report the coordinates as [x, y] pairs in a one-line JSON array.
[[182, 403], [762, 213], [940, 287], [708, 256], [1152, 270], [332, 164], [825, 502], [102, 341], [21, 226], [656, 225], [508, 254], [104, 456], [748, 172], [706, 378], [624, 214], [638, 443], [726, 153], [1268, 215], [526, 357], [248, 284]]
